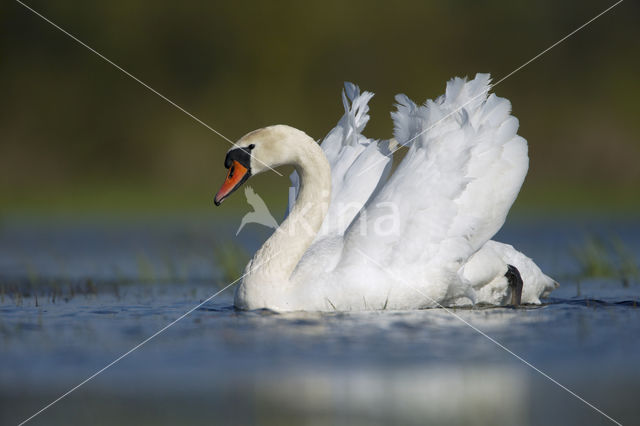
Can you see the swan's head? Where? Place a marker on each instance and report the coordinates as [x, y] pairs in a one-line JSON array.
[[261, 150]]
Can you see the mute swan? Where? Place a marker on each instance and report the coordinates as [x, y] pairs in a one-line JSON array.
[[360, 238]]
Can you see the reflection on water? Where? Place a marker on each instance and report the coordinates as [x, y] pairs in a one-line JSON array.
[[222, 366]]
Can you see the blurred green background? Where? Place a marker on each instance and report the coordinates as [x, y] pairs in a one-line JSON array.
[[78, 135]]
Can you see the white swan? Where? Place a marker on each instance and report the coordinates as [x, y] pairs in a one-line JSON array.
[[361, 238]]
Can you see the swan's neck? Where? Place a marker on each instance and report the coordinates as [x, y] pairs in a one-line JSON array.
[[269, 272]]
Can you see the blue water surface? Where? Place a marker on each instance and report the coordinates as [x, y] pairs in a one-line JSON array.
[[103, 286]]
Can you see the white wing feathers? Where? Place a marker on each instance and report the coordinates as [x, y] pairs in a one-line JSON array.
[[453, 189], [358, 164]]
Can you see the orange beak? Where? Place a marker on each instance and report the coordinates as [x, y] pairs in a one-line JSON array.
[[236, 176]]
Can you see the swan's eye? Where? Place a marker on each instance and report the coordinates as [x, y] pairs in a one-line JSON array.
[[251, 146]]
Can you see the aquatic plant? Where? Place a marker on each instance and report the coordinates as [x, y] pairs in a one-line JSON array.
[[600, 257], [174, 271], [627, 263], [146, 272], [594, 258], [230, 259]]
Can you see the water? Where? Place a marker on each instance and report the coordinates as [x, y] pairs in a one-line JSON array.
[[104, 286]]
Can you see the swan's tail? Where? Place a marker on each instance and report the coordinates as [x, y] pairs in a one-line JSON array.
[[488, 263]]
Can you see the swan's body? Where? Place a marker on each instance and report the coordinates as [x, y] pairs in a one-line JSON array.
[[358, 239]]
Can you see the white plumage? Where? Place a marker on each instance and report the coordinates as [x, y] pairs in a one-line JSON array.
[[350, 154], [416, 238]]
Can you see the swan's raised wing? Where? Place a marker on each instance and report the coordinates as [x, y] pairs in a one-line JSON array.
[[450, 194], [349, 154]]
